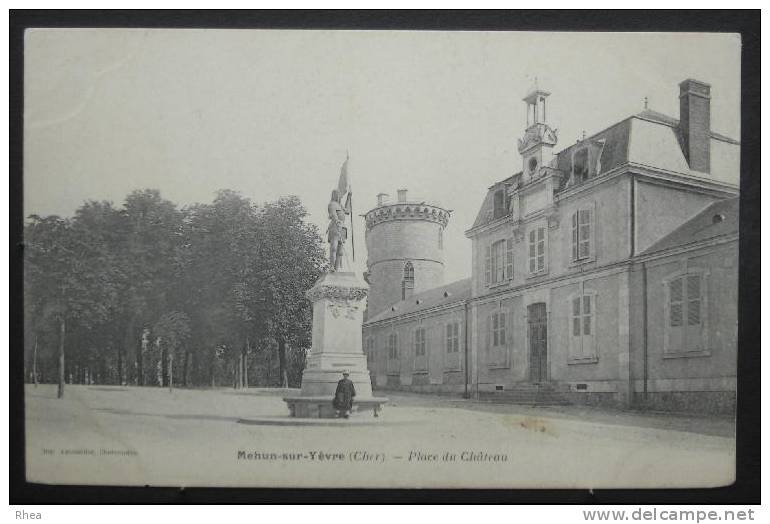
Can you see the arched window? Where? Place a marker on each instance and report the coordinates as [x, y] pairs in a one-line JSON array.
[[407, 284]]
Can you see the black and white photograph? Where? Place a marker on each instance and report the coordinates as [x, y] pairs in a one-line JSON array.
[[287, 258]]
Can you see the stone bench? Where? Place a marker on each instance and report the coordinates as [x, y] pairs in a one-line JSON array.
[[321, 407]]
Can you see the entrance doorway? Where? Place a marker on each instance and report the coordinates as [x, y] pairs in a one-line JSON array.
[[538, 342]]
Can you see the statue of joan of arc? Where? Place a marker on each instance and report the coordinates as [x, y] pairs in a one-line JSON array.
[[337, 232]]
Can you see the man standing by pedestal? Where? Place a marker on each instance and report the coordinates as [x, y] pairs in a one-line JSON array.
[[343, 397]]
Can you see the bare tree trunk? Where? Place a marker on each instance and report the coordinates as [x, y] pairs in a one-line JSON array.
[[34, 362], [170, 370], [213, 370], [120, 365], [246, 364], [283, 372], [184, 368], [140, 361], [62, 332], [240, 369], [159, 367], [244, 380], [246, 370]]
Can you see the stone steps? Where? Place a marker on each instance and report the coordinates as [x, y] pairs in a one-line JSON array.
[[527, 394]]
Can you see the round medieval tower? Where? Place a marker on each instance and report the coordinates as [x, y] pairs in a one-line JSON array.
[[405, 249]]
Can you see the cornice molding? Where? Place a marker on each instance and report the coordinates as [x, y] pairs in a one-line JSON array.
[[407, 211]]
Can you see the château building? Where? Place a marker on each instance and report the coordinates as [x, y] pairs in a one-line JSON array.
[[604, 273]]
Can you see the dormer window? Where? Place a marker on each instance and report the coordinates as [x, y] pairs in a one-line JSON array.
[[499, 204], [580, 168]]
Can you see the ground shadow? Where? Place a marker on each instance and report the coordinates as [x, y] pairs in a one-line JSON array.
[[321, 422]]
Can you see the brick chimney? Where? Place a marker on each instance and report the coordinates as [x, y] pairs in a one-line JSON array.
[[695, 123], [401, 195]]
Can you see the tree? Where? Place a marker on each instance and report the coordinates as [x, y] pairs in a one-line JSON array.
[[292, 258], [151, 228], [71, 276], [219, 285], [173, 329], [221, 254]]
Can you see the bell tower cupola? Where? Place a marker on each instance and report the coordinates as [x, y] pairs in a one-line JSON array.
[[536, 147]]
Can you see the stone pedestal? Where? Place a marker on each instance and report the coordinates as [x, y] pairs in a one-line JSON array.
[[339, 300]]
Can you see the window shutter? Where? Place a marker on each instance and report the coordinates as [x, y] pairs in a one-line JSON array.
[[489, 333], [540, 249], [693, 332], [576, 331], [584, 233], [575, 235], [457, 337], [588, 342], [693, 300], [675, 319], [509, 337], [509, 259], [575, 345], [532, 252], [487, 265], [675, 297], [396, 352], [587, 313], [498, 261]]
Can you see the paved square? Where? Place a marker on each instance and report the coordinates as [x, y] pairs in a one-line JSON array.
[[150, 436]]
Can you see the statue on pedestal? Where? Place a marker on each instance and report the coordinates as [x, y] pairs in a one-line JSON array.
[[337, 233], [339, 300]]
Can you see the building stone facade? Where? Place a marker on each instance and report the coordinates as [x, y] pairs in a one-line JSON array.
[[605, 273]]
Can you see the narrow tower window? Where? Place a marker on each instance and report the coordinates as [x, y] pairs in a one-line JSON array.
[[407, 284]]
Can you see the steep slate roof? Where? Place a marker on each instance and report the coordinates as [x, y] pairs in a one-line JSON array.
[[487, 207], [614, 152], [702, 226], [660, 118], [458, 290], [617, 144]]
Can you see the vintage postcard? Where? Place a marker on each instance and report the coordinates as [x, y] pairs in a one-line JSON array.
[[380, 259]]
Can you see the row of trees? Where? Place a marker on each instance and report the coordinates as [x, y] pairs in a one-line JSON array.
[[151, 294]]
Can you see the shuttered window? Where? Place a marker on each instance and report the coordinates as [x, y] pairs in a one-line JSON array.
[[582, 325], [685, 311], [693, 300], [419, 342], [393, 346], [582, 234], [498, 329], [499, 337], [498, 263], [509, 259], [453, 337], [537, 250]]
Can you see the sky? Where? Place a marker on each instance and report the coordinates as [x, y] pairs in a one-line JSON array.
[[274, 112]]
